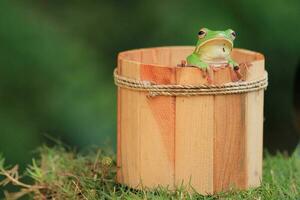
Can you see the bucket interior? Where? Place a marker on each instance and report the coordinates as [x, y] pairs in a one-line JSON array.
[[172, 56]]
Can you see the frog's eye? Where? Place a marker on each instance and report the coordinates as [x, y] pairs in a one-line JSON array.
[[201, 33], [233, 34]]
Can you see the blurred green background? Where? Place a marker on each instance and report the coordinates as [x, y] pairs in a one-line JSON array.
[[57, 58]]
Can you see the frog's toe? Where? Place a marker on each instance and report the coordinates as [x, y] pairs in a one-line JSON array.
[[204, 66], [237, 73], [236, 68]]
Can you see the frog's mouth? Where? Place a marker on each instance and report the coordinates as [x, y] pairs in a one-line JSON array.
[[216, 41]]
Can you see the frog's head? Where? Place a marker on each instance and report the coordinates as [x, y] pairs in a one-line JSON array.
[[208, 37]]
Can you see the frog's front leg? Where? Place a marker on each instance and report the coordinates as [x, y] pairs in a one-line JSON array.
[[233, 64], [235, 67], [195, 61]]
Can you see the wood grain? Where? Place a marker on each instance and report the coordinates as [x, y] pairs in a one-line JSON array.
[[157, 119], [254, 127], [129, 128], [194, 136], [229, 137], [119, 139], [162, 56], [178, 54]]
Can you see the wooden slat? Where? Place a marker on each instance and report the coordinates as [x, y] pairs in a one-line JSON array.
[[163, 56], [229, 137], [243, 55], [157, 136], [129, 128], [254, 127], [148, 56], [194, 136], [119, 139], [178, 54]]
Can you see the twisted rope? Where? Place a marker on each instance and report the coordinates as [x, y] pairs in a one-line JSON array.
[[190, 90]]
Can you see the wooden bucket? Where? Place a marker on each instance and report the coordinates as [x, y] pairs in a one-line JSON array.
[[209, 142]]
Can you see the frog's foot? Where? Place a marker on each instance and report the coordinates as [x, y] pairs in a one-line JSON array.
[[236, 75], [205, 68], [237, 70], [182, 64], [210, 75], [207, 72]]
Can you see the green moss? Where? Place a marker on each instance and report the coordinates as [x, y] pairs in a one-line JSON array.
[[58, 173]]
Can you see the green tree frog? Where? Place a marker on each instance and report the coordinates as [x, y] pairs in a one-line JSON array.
[[213, 48]]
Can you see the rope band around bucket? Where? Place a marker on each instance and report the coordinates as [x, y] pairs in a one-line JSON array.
[[190, 90]]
